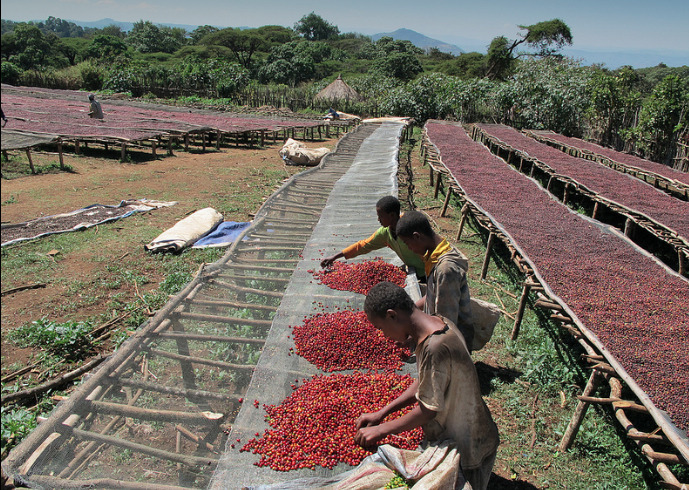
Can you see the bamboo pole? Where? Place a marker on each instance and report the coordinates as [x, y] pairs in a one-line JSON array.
[[171, 390], [217, 319], [200, 360], [143, 449]]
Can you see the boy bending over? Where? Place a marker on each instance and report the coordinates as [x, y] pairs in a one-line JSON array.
[[388, 211], [449, 399], [447, 291]]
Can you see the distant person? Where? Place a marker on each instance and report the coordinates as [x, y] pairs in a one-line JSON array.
[[2, 115], [95, 110], [333, 113], [388, 211]]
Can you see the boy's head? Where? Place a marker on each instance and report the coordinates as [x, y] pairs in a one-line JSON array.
[[415, 231], [388, 307], [388, 211]]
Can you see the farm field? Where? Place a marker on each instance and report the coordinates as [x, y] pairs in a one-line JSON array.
[[77, 287]]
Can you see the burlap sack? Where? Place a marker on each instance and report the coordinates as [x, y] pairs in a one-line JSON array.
[[486, 316]]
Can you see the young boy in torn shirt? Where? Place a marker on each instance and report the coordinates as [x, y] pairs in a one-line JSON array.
[[450, 406]]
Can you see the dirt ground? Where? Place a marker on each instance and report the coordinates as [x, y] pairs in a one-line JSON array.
[[235, 181]]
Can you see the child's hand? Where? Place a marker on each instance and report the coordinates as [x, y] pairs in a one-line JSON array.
[[369, 436], [328, 261], [368, 419]]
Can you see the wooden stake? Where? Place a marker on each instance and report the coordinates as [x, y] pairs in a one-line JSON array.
[[486, 260], [520, 311], [462, 221], [579, 413], [447, 201], [28, 155]]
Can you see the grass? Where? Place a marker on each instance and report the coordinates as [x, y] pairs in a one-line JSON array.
[[531, 384]]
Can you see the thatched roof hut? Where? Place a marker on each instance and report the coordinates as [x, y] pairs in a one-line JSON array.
[[338, 90]]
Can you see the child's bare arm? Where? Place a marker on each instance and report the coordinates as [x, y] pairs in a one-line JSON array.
[[329, 260], [405, 399]]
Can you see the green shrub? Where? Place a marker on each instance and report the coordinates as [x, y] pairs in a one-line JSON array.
[[11, 73], [16, 424], [69, 340], [92, 75]]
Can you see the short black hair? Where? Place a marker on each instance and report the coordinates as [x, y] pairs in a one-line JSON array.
[[414, 222], [389, 204], [386, 296]]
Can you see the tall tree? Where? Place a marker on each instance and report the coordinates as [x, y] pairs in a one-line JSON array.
[[313, 27], [242, 43], [547, 37]]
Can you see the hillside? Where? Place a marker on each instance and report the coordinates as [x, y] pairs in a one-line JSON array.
[[420, 41]]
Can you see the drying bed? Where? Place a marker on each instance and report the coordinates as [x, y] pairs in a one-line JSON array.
[[69, 117], [161, 412], [634, 310], [606, 182], [638, 309], [587, 147]]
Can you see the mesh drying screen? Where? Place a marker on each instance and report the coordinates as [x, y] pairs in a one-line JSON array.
[[157, 414]]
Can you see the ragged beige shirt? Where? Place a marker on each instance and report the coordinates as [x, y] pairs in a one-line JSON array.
[[448, 385]]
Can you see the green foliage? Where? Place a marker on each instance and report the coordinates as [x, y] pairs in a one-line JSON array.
[[313, 27], [92, 75], [213, 77], [62, 28], [545, 35], [11, 73], [106, 48], [69, 340], [147, 37], [297, 61], [499, 58], [242, 43], [663, 118], [16, 424], [26, 46], [613, 104], [200, 32], [550, 94]]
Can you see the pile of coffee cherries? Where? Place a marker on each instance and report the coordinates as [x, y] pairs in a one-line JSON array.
[[346, 340], [316, 424], [360, 277]]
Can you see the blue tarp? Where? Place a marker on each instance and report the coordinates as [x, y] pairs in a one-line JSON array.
[[223, 235]]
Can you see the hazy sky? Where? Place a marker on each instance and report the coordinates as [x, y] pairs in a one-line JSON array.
[[599, 24]]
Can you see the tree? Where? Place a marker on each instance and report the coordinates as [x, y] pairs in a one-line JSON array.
[[242, 43], [663, 118], [26, 46], [147, 37], [313, 27], [105, 48], [547, 37], [200, 32], [111, 30], [397, 58]]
